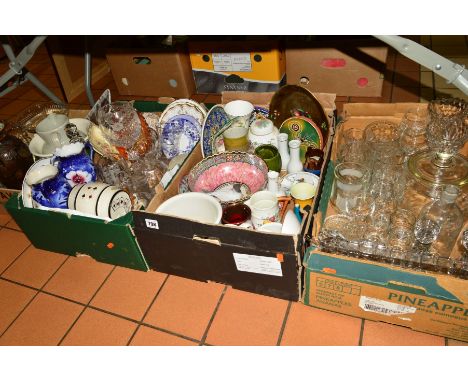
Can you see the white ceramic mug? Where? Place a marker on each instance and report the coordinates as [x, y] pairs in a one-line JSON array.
[[52, 130], [239, 108], [99, 199], [265, 209]]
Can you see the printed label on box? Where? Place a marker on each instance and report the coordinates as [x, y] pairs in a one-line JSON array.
[[258, 264], [151, 223], [232, 62], [375, 305]]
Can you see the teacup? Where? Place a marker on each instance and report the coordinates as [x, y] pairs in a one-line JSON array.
[[265, 209], [52, 130], [239, 108], [235, 138], [303, 193]]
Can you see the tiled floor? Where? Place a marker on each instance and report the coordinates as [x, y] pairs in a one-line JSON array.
[[51, 299]]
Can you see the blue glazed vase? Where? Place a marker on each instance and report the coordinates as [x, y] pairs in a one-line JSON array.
[[75, 165], [52, 193]]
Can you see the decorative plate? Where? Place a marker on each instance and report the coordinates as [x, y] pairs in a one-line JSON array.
[[214, 121], [289, 180], [180, 134], [293, 101], [305, 130], [231, 177], [183, 107]]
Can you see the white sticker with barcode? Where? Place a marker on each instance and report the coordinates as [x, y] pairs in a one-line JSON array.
[[232, 62], [370, 304], [258, 264]]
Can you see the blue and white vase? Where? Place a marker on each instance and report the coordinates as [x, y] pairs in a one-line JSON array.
[[48, 187], [74, 164]]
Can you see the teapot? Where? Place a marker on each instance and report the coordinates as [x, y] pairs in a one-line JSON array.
[[263, 132]]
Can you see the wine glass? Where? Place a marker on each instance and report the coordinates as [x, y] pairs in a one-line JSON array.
[[447, 132]]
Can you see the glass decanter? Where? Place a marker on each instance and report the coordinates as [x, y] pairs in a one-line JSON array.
[[446, 218], [447, 132]]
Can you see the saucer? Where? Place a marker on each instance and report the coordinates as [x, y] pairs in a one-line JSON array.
[[180, 134], [36, 147]]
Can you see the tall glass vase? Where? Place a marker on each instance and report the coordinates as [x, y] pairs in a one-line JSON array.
[[447, 132]]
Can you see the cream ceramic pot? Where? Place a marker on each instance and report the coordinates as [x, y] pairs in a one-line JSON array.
[[100, 199], [263, 132], [265, 209]]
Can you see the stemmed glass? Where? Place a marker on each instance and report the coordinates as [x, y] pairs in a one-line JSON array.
[[447, 132]]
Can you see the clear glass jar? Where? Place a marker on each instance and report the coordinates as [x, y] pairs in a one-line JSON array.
[[350, 183]]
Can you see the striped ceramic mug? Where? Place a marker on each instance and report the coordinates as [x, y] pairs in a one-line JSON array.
[[99, 199]]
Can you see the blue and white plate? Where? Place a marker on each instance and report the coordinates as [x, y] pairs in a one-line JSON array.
[[180, 134], [214, 121]]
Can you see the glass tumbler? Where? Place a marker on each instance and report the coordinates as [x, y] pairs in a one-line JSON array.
[[350, 183], [352, 146], [382, 137], [413, 130]]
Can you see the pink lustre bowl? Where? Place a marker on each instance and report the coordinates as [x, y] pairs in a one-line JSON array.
[[231, 176]]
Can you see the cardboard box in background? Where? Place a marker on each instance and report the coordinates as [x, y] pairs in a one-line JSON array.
[[346, 69], [228, 65], [163, 71], [425, 301]]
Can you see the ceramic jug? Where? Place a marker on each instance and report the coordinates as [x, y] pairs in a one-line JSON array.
[[74, 164], [49, 187], [283, 150], [295, 164]]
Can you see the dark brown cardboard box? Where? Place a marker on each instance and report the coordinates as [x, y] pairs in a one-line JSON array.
[[162, 72], [345, 70]]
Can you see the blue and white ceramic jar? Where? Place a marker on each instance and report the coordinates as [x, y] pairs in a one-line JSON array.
[[74, 164], [48, 187]]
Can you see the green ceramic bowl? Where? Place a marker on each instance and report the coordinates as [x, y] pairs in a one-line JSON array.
[[270, 155]]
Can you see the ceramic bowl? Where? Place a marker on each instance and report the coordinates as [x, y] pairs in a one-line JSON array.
[[231, 176], [194, 206]]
